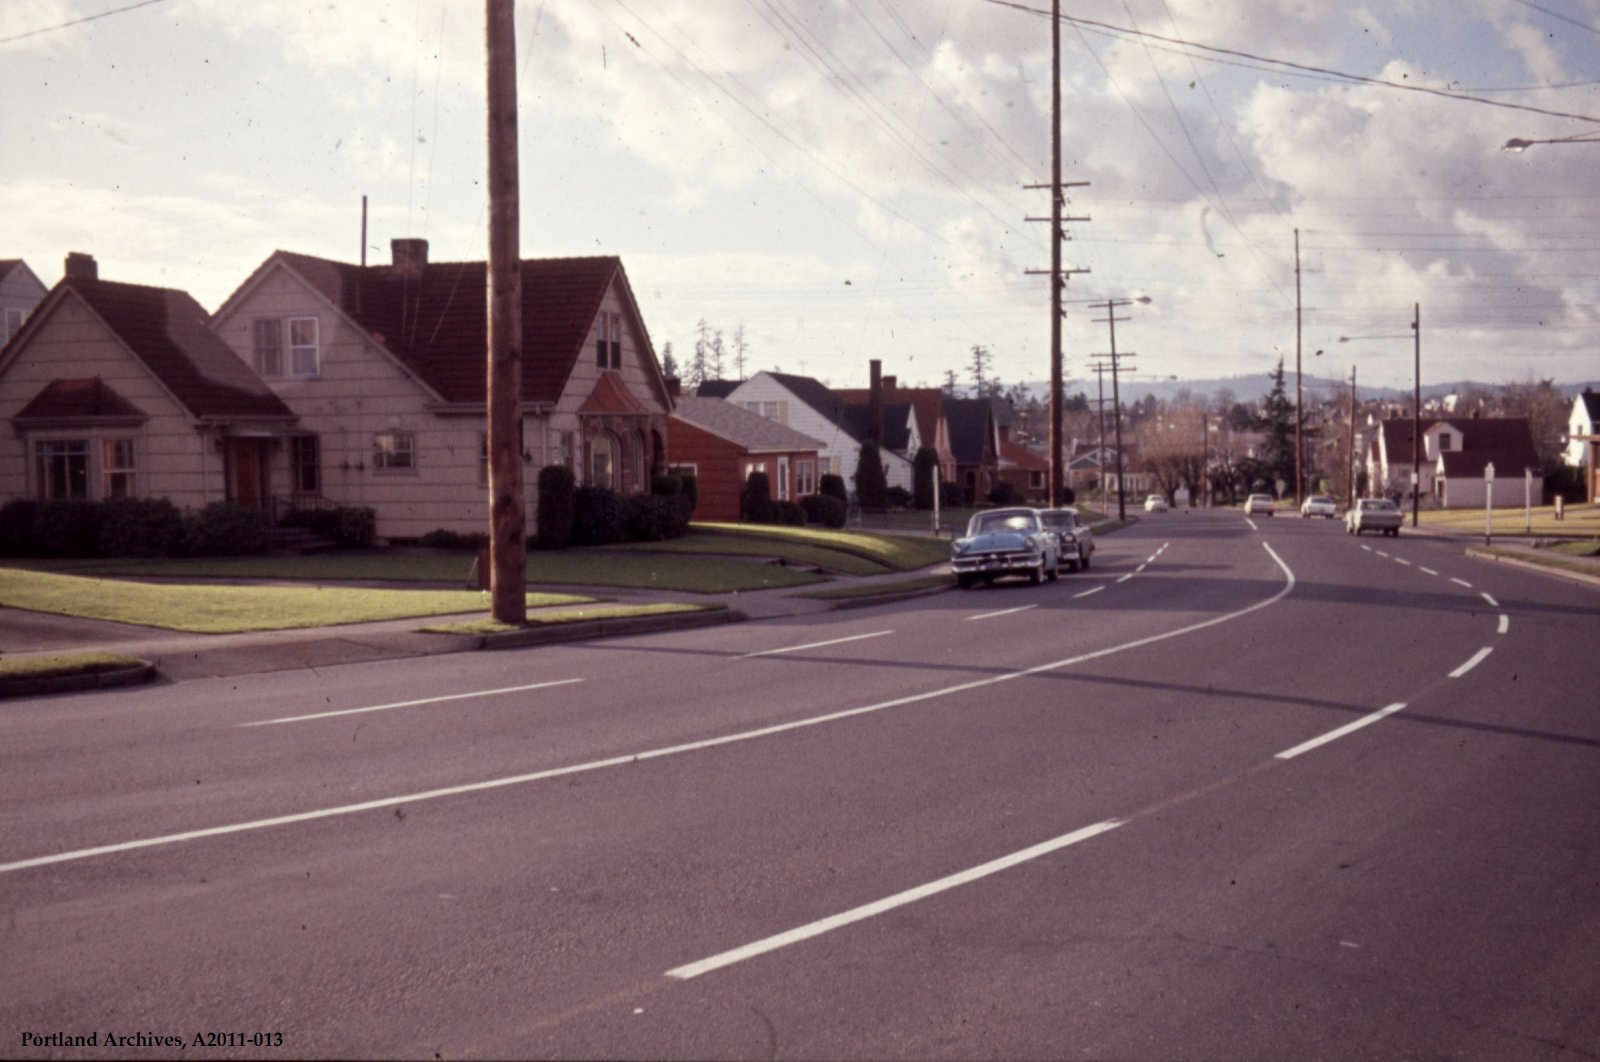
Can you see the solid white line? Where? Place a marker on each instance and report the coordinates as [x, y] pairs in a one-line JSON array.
[[1477, 658], [1489, 599], [1430, 571], [658, 753], [816, 645], [1402, 560], [1002, 612], [1461, 582], [1086, 593], [1505, 623], [888, 903], [411, 704], [1125, 578], [1334, 735]]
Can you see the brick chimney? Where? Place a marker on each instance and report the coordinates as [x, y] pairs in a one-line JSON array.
[[875, 423], [82, 266], [410, 257], [674, 387], [889, 385]]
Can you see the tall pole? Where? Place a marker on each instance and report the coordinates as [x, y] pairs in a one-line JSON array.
[[1100, 459], [1056, 281], [507, 508], [1350, 495], [1416, 411], [1299, 417], [1116, 409]]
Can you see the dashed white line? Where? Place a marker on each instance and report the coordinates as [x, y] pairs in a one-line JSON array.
[[1367, 548], [1477, 658], [1505, 623], [1002, 612], [1381, 553], [1402, 560], [1152, 558], [1334, 735], [1489, 599], [888, 903], [1430, 571], [1461, 582], [1141, 567], [1125, 578], [1252, 524], [411, 704], [1086, 593], [818, 645]]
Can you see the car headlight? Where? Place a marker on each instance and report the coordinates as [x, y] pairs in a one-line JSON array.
[[1030, 543]]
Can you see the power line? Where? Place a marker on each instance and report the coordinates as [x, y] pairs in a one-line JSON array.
[[78, 21]]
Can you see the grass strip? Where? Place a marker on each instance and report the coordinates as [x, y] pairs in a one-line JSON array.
[[550, 617], [1575, 549], [794, 552], [1529, 557], [898, 586], [898, 552], [234, 609], [36, 667]]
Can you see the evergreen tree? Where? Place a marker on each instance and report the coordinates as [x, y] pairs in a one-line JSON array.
[[926, 469], [1275, 418], [979, 369], [872, 485], [669, 365], [952, 387], [698, 366], [714, 360], [741, 350]]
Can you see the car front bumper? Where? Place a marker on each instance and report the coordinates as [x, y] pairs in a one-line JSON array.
[[997, 563]]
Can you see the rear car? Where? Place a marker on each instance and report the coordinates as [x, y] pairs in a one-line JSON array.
[[1260, 505], [1374, 514], [1073, 536], [1319, 505]]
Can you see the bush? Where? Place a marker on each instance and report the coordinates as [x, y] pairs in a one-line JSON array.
[[872, 485], [439, 538], [16, 527], [345, 525], [68, 528], [1005, 494], [141, 527], [652, 517], [824, 509], [790, 513], [954, 495], [223, 529], [667, 485], [755, 503], [925, 467], [1068, 496], [553, 527], [598, 517], [898, 497], [690, 494], [832, 485]]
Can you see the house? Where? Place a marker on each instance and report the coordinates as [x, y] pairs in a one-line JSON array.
[[1452, 456], [976, 444], [1583, 441], [1023, 470], [809, 407], [20, 292], [721, 443], [927, 406], [385, 370], [120, 390]]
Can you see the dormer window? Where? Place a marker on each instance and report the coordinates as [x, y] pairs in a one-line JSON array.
[[299, 334], [608, 340]]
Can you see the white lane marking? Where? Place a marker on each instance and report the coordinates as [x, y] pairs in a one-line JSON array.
[[1002, 612], [1461, 582], [1252, 524], [1430, 571], [1402, 560], [1367, 548], [1125, 578], [1141, 567], [888, 903], [816, 645], [1505, 623], [1489, 599], [1086, 593], [1477, 658], [1381, 553], [653, 754], [1152, 558], [1334, 735], [411, 704]]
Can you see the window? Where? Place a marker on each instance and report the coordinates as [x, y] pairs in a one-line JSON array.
[[10, 324], [117, 474], [1444, 440], [483, 459], [303, 354], [269, 347], [305, 460], [783, 479], [61, 467], [603, 461], [394, 451], [775, 411], [608, 340], [805, 477]]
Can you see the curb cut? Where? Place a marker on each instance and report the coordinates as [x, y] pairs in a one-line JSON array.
[[1533, 566], [132, 675], [607, 628]]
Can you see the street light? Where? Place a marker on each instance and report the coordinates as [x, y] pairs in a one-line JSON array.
[[1110, 306], [1517, 145]]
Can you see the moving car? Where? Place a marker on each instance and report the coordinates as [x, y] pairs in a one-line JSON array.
[[1075, 539], [1005, 542], [1155, 503], [1260, 503], [1374, 514], [1319, 505]]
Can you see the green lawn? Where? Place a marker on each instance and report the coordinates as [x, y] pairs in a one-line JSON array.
[[793, 551], [1541, 559], [902, 553], [1580, 520], [231, 609], [34, 667], [550, 617]]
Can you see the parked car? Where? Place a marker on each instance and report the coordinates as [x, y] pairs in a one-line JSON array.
[[1076, 541], [1374, 514], [1155, 503], [1260, 503], [1319, 505], [1005, 542]]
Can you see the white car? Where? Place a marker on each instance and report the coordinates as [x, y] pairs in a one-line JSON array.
[[1260, 503], [1319, 505], [1155, 504]]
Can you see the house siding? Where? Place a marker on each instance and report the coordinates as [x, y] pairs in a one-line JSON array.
[[720, 469], [837, 443]]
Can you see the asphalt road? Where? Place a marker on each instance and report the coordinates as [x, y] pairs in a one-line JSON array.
[[1241, 790]]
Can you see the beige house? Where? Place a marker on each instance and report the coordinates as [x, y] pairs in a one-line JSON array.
[[121, 390], [384, 368]]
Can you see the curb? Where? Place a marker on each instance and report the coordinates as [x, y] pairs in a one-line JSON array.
[[93, 680], [869, 600], [608, 628], [1534, 566]]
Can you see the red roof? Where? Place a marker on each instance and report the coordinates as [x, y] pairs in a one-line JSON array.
[[611, 395], [78, 400], [1022, 457]]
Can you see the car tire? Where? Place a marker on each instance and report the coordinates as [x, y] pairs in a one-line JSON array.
[[964, 580], [1083, 562], [1036, 575]]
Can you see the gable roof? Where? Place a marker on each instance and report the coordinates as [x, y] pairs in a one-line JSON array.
[[814, 394], [1509, 462], [170, 334], [971, 429], [926, 402], [716, 388], [1509, 436], [896, 424], [436, 322], [757, 434], [1591, 404], [611, 395], [91, 399], [1018, 456]]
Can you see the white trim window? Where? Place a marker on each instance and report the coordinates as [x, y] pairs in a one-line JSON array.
[[273, 337], [305, 356], [305, 464], [783, 478], [268, 333], [61, 469], [119, 477], [608, 340], [394, 451], [805, 477]]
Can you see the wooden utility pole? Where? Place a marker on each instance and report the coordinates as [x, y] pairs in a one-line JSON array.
[[508, 548], [1350, 502], [1299, 416], [1416, 412], [1111, 306]]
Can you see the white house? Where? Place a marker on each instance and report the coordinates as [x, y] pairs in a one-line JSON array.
[[20, 292]]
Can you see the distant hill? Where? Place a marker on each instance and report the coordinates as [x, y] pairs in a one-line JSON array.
[[1254, 386]]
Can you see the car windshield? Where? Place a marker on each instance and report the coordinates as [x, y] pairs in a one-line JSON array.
[[1377, 504], [991, 522], [1059, 521]]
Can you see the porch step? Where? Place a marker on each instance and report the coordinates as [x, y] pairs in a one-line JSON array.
[[296, 540]]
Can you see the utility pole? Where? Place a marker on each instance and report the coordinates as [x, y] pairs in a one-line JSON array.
[[508, 548], [1416, 411], [1100, 407], [1350, 501], [1299, 416], [1110, 306]]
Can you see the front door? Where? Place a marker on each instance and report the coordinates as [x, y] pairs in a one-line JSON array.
[[249, 472]]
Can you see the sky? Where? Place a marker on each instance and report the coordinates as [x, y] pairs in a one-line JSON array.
[[846, 180]]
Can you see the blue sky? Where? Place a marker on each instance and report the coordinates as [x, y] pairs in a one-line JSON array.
[[844, 178]]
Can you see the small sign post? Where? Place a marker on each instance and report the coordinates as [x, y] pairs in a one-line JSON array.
[[1488, 501], [1527, 500]]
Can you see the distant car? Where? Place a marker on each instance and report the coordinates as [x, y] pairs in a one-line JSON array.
[[1374, 514], [1075, 539], [1155, 504], [1005, 542], [1260, 503], [1319, 505]]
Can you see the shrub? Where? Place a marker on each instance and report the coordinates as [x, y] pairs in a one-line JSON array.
[[824, 509], [954, 495], [141, 527], [557, 508], [667, 485], [16, 527], [345, 525], [1005, 494], [790, 513], [898, 497], [832, 485], [925, 466], [223, 529], [872, 485], [690, 494], [598, 518], [1068, 496], [755, 504], [68, 528], [652, 517], [439, 538]]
